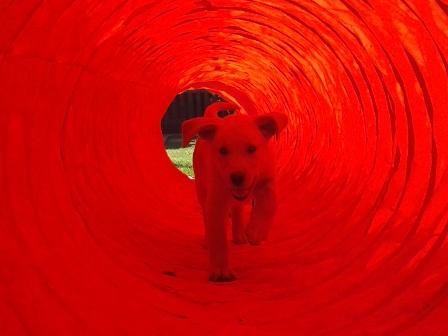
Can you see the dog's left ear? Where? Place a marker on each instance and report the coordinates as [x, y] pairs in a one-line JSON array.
[[271, 124], [204, 127]]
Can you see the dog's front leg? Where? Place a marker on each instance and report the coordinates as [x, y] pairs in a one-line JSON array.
[[216, 219], [238, 234], [262, 214]]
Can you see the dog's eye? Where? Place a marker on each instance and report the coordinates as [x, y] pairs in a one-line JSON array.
[[251, 149], [223, 151]]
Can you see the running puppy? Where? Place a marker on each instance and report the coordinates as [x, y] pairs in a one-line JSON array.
[[234, 162]]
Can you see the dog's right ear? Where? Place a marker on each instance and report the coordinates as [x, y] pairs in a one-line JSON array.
[[204, 127]]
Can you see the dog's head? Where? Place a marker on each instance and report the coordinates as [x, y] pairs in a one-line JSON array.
[[238, 145]]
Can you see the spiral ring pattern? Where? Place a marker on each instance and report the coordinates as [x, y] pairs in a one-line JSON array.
[[101, 235]]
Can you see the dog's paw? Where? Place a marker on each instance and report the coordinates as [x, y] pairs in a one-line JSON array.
[[256, 236], [220, 275], [240, 238]]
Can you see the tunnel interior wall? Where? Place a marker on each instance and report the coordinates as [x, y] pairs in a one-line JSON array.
[[101, 234]]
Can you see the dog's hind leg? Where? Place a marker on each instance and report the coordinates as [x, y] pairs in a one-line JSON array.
[[238, 234], [262, 215]]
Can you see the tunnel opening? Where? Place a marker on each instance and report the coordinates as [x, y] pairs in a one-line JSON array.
[[187, 105]]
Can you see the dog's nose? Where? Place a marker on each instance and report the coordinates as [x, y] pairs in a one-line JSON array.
[[237, 179]]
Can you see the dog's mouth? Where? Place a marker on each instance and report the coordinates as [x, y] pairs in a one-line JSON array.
[[241, 194]]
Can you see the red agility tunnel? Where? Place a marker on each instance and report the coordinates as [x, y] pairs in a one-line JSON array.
[[101, 235]]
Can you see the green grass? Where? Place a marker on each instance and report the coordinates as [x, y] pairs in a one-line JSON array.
[[181, 157]]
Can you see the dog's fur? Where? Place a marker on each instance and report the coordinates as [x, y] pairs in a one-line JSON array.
[[234, 163]]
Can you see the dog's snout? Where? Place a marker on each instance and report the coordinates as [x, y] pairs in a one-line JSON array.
[[237, 179]]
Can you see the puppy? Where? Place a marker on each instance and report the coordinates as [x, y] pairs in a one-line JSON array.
[[234, 163]]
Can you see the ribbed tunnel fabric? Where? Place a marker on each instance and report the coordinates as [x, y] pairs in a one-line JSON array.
[[101, 235]]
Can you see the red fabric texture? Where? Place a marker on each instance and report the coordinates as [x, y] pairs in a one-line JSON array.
[[95, 221]]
